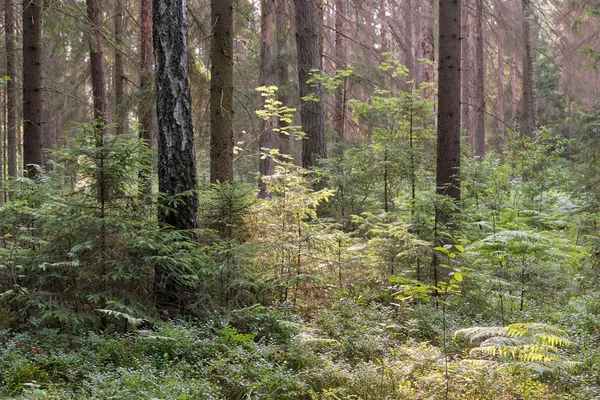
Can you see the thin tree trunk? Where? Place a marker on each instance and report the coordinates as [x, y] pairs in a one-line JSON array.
[[409, 35], [281, 65], [312, 115], [339, 115], [11, 91], [513, 88], [500, 72], [427, 46], [146, 110], [479, 120], [448, 130], [266, 78], [466, 63], [32, 86], [97, 71], [119, 72], [528, 99], [221, 91]]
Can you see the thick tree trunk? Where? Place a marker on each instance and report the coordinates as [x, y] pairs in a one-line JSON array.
[[527, 98], [176, 154], [339, 114], [266, 78], [32, 86], [312, 115], [11, 91], [448, 130], [146, 110], [119, 72], [479, 97], [221, 91], [281, 65]]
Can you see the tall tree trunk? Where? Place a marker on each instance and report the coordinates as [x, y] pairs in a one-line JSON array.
[[97, 71], [281, 65], [513, 89], [32, 86], [448, 130], [311, 113], [339, 114], [527, 98], [11, 91], [500, 72], [319, 8], [119, 72], [177, 174], [479, 120], [221, 91], [409, 35], [466, 64], [266, 78], [427, 49], [146, 110]]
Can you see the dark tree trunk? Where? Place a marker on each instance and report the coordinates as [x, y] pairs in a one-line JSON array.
[[479, 78], [146, 110], [281, 64], [11, 93], [527, 99], [311, 112], [32, 86], [97, 71], [119, 72], [176, 154], [266, 78], [221, 91], [448, 130], [339, 115]]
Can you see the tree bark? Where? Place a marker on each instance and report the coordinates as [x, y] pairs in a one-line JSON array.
[[32, 86], [466, 63], [448, 130], [339, 114], [527, 98], [97, 71], [146, 112], [311, 112], [11, 93], [266, 78], [500, 72], [427, 50], [513, 89], [281, 64], [119, 72], [221, 91], [176, 153], [479, 117]]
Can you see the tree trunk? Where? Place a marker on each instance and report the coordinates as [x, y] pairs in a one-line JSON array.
[[221, 91], [11, 90], [32, 86], [176, 154], [281, 64], [500, 71], [311, 112], [448, 130], [266, 78], [97, 71], [339, 114], [146, 111], [527, 98], [513, 88], [408, 25], [479, 120], [427, 49], [119, 72], [466, 64]]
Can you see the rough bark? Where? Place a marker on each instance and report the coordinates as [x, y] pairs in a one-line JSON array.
[[11, 93], [339, 114], [119, 72], [479, 78], [266, 78], [527, 98], [281, 65], [176, 154], [221, 91], [448, 130], [311, 112], [146, 110], [32, 86]]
